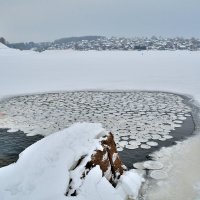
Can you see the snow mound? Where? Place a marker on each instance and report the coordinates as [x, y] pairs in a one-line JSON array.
[[129, 185], [43, 169]]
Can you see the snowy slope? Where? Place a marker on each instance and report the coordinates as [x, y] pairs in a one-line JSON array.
[[27, 71], [42, 171]]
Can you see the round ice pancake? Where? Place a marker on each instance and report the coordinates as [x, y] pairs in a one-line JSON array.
[[150, 164], [158, 174]]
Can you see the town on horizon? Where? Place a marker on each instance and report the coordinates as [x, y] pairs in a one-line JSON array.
[[110, 43]]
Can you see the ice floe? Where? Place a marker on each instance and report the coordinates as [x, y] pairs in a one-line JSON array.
[[138, 119], [158, 174], [150, 164]]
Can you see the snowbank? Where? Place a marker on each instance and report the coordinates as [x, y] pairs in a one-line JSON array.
[[43, 169]]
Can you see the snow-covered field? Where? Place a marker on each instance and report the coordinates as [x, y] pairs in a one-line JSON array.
[[28, 72], [32, 72]]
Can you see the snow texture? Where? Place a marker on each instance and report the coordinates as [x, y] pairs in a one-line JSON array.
[[129, 185]]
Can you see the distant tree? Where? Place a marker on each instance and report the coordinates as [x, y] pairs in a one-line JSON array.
[[140, 47], [2, 40]]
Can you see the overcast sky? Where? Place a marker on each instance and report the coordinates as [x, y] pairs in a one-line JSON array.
[[46, 20]]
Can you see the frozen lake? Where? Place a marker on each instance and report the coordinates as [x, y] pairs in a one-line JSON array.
[[175, 71], [141, 121]]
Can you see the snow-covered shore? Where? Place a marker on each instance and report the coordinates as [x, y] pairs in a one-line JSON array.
[[181, 162]]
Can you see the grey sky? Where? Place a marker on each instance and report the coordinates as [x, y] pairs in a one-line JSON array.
[[46, 20]]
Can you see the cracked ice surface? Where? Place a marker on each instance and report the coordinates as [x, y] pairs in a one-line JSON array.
[[137, 118]]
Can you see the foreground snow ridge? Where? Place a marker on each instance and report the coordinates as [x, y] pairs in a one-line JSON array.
[[43, 169]]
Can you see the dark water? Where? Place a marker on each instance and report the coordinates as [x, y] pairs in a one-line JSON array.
[[12, 144]]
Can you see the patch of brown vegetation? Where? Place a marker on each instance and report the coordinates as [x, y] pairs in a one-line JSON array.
[[108, 161]]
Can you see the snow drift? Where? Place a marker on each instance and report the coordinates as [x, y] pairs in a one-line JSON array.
[[43, 169]]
